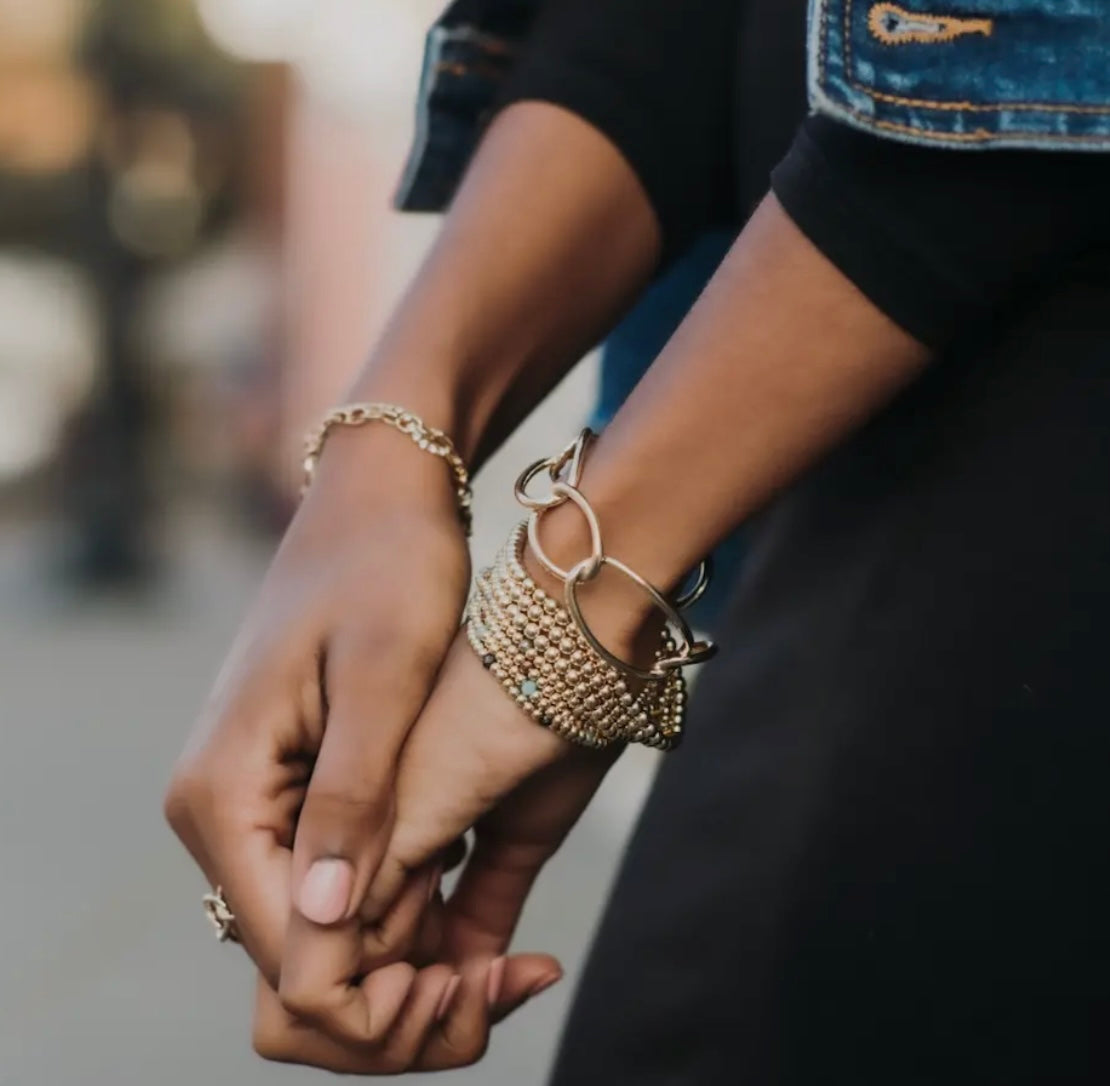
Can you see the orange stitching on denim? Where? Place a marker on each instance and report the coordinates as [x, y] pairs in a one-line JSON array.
[[979, 135], [894, 25], [940, 104], [933, 103]]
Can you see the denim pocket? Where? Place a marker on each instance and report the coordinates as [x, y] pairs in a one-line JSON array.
[[968, 73]]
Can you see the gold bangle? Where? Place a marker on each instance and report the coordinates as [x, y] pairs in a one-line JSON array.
[[546, 656], [426, 437], [534, 649]]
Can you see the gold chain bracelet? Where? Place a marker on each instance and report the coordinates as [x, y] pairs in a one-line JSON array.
[[426, 437], [565, 490], [545, 654], [534, 648]]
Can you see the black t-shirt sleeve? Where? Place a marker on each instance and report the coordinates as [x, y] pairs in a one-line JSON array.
[[938, 238], [656, 78]]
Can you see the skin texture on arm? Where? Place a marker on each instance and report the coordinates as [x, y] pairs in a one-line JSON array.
[[549, 240], [779, 360]]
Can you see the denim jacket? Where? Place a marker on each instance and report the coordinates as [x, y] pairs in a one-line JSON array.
[[955, 73]]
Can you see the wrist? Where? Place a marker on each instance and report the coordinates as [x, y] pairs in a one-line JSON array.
[[448, 389], [374, 467]]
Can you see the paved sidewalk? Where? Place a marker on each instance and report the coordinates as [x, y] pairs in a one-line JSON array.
[[108, 972]]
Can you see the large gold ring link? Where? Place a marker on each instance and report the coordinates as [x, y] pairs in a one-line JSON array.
[[571, 458], [688, 651], [589, 566]]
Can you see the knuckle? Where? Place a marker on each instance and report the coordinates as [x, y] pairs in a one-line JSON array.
[[269, 1043], [472, 1051], [468, 1048], [389, 942], [397, 1063], [187, 795], [335, 804], [302, 1001], [402, 648]]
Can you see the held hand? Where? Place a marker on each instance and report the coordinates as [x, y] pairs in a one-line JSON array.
[[472, 758], [303, 731]]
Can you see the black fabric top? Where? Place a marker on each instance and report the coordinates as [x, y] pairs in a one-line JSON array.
[[701, 98]]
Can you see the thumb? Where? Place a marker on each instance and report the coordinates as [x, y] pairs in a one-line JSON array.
[[483, 912], [345, 823], [470, 748]]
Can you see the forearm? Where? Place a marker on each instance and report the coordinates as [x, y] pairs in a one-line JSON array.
[[779, 360], [549, 239]]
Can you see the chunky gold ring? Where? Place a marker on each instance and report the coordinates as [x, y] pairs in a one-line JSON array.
[[221, 917], [688, 651]]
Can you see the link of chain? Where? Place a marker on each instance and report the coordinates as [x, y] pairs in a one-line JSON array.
[[412, 426], [565, 489]]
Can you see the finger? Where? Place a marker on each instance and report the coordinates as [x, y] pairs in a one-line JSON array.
[[429, 1003], [279, 1036], [375, 689], [282, 1037], [471, 747], [489, 897], [427, 947], [237, 840], [341, 979], [253, 873], [483, 913], [462, 1036], [526, 976]]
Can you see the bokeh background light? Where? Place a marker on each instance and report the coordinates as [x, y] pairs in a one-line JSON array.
[[196, 251]]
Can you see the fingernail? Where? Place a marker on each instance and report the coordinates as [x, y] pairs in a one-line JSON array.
[[448, 996], [493, 984], [544, 984], [326, 891]]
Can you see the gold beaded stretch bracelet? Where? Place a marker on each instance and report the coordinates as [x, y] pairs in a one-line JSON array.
[[426, 437], [545, 654]]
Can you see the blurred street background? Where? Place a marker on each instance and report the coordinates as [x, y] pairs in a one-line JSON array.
[[196, 250]]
